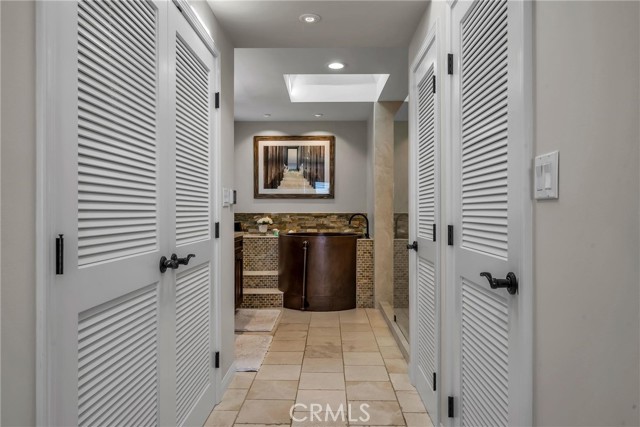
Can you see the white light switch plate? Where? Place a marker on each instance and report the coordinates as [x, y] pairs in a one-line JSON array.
[[546, 176]]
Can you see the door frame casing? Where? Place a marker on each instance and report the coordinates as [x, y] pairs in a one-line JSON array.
[[47, 93], [524, 118], [430, 41]]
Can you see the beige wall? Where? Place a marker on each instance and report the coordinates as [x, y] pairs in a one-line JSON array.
[[17, 243], [18, 213], [350, 165], [400, 167], [586, 243], [383, 143]]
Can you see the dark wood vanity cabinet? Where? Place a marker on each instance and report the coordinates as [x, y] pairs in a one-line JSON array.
[[238, 270]]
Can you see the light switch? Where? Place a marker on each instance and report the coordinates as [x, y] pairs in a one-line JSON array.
[[546, 176], [227, 197]]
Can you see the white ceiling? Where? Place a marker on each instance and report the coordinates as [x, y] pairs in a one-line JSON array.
[[370, 37], [260, 87], [344, 23]]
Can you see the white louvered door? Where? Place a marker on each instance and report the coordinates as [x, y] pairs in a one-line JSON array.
[[130, 345], [491, 191], [192, 81], [425, 152]]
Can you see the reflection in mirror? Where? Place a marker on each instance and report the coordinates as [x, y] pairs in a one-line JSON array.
[[401, 220]]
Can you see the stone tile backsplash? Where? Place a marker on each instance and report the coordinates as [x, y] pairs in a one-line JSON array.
[[312, 222]]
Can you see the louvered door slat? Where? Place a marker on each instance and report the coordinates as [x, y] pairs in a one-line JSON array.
[[484, 126], [117, 132], [117, 359], [192, 146], [193, 340], [426, 156], [426, 304], [485, 357]]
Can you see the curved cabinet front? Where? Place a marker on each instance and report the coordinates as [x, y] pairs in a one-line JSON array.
[[327, 281]]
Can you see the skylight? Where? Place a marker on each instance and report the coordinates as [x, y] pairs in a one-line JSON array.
[[335, 87]]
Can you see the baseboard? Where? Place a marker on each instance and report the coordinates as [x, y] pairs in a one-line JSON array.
[[226, 381]]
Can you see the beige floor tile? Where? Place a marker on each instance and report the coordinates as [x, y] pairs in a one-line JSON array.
[[382, 413], [415, 419], [355, 327], [321, 381], [273, 390], [290, 335], [242, 380], [363, 358], [265, 412], [324, 340], [325, 323], [322, 364], [365, 373], [410, 401], [358, 336], [297, 345], [324, 351], [221, 419], [396, 366], [279, 372], [370, 390], [295, 316], [401, 382], [319, 419], [293, 327], [354, 316], [326, 398], [350, 346], [391, 352], [386, 341], [382, 331], [283, 358], [232, 399], [324, 332]]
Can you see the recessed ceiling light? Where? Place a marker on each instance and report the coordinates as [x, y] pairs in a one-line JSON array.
[[336, 65], [318, 115], [267, 115], [309, 18]]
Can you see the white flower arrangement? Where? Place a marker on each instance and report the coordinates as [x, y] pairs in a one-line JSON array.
[[265, 220]]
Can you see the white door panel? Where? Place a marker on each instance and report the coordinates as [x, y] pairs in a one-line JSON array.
[[122, 333], [425, 270], [490, 195], [192, 83]]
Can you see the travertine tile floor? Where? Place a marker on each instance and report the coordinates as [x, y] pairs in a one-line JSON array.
[[325, 358]]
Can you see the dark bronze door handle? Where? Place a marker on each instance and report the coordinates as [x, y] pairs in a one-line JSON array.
[[510, 283], [173, 262], [413, 246]]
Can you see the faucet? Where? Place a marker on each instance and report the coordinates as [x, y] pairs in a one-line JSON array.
[[365, 219]]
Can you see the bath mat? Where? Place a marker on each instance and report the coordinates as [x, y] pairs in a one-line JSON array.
[[252, 320], [250, 351]]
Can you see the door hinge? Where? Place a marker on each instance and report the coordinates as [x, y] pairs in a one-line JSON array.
[[434, 381], [216, 359], [217, 230], [434, 84], [394, 318], [450, 407], [434, 232], [60, 254], [450, 63], [217, 100], [450, 235]]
